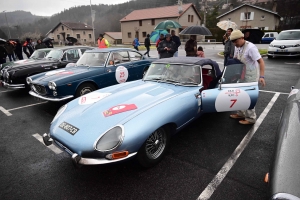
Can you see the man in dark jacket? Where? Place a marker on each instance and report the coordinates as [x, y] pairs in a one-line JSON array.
[[191, 47], [40, 45], [167, 47], [175, 39], [147, 44], [228, 47], [10, 51], [18, 50], [3, 54]]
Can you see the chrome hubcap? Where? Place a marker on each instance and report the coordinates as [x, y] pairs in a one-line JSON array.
[[156, 144], [85, 91]]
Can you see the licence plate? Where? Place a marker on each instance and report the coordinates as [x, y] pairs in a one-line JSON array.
[[282, 50], [69, 128]]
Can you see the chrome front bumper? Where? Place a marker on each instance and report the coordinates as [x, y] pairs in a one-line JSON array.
[[50, 98], [78, 160], [13, 86]]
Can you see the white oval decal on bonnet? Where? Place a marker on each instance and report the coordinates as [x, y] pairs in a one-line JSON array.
[[92, 98], [232, 99], [121, 74], [54, 72]]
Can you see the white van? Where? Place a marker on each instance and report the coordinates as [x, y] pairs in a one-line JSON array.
[[268, 37]]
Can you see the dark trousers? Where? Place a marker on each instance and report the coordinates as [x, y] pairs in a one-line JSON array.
[[11, 57], [147, 52], [226, 57], [20, 56], [2, 60], [136, 47]]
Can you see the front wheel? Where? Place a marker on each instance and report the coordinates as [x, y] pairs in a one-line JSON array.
[[84, 89], [154, 148]]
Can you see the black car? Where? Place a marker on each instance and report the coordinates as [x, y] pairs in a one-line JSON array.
[[284, 175], [15, 76]]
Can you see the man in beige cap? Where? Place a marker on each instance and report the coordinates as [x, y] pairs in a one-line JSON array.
[[248, 54]]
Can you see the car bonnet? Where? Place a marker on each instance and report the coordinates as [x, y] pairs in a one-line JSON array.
[[95, 113]]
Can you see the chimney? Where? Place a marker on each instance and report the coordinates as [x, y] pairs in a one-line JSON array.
[[274, 8], [179, 6]]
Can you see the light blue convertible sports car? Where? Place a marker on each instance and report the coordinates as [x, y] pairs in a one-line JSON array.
[[138, 118]]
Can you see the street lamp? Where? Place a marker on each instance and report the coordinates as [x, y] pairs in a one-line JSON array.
[[7, 24], [93, 18]]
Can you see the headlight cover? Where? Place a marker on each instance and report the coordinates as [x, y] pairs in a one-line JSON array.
[[28, 80], [59, 112], [110, 140], [52, 85], [271, 45]]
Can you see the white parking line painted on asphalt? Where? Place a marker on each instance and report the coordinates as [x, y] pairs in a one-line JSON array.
[[212, 186], [5, 111], [273, 92], [51, 147], [27, 106]]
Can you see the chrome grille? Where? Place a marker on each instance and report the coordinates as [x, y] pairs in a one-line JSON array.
[[40, 89]]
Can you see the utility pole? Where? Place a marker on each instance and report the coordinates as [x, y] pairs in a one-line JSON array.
[[93, 19], [9, 37], [205, 12]]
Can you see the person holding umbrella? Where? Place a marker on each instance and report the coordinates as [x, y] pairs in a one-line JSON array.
[[247, 53], [191, 47], [167, 47]]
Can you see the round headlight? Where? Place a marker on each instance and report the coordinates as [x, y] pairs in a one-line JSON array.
[[110, 140], [59, 112], [28, 80], [52, 85]]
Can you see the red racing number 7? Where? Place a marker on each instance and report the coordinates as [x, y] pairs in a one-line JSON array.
[[233, 102]]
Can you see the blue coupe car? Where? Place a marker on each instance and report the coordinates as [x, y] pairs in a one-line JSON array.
[[96, 69], [138, 118]]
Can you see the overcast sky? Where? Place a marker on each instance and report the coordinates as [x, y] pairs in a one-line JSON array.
[[48, 7]]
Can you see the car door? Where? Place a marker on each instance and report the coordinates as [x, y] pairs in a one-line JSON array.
[[137, 65], [235, 91]]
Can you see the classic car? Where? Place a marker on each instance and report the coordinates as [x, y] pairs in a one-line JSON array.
[[15, 76], [284, 176], [136, 119], [37, 55], [96, 69]]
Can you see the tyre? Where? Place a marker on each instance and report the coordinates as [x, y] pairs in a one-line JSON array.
[[84, 89], [154, 148]]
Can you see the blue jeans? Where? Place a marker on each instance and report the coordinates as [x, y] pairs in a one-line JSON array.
[[175, 54], [11, 57]]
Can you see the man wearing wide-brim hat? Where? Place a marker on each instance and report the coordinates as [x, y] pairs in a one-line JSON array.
[[248, 54]]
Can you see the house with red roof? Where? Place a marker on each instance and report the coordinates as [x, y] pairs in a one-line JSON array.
[[113, 37], [139, 23]]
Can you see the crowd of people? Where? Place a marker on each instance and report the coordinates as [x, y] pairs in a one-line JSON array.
[[14, 49]]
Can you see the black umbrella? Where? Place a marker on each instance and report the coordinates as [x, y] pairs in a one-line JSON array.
[[2, 41], [255, 35], [72, 39], [196, 30], [47, 39]]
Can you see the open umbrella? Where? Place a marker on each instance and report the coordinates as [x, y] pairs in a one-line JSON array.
[[253, 35], [154, 36], [196, 30], [72, 39], [168, 24], [47, 39], [224, 25], [2, 41]]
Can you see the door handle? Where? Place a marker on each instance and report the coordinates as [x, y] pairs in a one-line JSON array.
[[250, 89], [109, 70]]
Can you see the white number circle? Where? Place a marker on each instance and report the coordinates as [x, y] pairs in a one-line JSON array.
[[232, 99], [121, 74]]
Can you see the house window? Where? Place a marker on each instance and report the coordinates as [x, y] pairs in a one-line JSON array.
[[141, 23], [247, 15], [192, 18], [189, 18], [62, 28], [58, 36], [78, 36], [144, 34], [90, 36], [129, 34], [83, 32], [152, 22]]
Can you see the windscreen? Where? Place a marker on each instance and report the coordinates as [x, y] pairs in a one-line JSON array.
[[289, 35], [174, 73], [92, 59], [57, 54]]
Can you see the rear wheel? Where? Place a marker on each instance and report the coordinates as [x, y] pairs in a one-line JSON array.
[[84, 89], [154, 148]]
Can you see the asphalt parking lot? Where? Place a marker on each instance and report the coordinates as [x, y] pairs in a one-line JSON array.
[[213, 158]]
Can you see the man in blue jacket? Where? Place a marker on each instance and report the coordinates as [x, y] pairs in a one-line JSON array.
[[176, 40]]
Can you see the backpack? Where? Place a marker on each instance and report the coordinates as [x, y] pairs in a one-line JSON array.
[[133, 43]]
